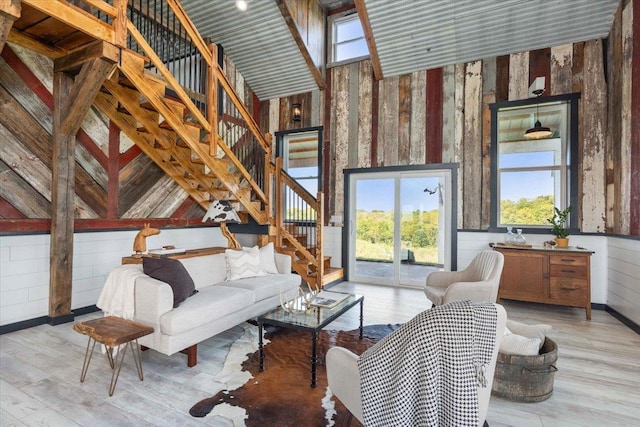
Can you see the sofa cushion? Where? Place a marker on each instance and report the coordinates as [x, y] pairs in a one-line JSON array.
[[173, 273], [267, 286], [243, 263], [206, 270], [268, 258], [209, 305]]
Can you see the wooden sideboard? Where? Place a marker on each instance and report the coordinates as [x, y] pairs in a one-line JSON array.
[[189, 253], [550, 276]]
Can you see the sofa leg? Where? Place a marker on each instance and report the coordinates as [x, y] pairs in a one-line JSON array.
[[192, 355]]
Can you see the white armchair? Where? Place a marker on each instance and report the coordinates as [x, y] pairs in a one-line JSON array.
[[478, 282], [344, 377]]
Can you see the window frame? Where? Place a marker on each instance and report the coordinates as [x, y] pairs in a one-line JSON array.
[[332, 22], [571, 101]]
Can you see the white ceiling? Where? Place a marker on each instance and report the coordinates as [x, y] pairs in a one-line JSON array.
[[410, 35]]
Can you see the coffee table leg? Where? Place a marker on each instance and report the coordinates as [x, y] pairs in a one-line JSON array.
[[361, 316], [260, 346], [314, 359]]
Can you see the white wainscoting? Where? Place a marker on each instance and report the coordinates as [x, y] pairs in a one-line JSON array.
[[24, 266], [623, 267]]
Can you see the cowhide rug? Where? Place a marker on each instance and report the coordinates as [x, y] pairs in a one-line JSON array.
[[281, 395]]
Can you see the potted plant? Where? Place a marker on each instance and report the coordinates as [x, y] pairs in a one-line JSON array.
[[559, 223]]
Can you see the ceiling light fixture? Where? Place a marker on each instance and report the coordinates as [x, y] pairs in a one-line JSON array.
[[538, 131], [242, 5]]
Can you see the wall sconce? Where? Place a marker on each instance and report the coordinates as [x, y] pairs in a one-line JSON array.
[[296, 112]]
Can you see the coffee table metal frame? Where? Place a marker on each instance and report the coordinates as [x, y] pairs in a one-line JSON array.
[[312, 321]]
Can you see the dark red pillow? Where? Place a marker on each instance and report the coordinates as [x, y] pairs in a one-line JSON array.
[[172, 272]]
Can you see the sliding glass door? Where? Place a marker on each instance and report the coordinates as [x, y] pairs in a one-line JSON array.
[[401, 224]]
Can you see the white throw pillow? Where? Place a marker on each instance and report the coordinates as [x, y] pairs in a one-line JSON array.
[[530, 331], [268, 258], [244, 263], [519, 345]]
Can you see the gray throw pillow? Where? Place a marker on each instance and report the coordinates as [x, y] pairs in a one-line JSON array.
[[172, 272]]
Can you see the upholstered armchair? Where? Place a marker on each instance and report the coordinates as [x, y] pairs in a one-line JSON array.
[[344, 380], [478, 282]]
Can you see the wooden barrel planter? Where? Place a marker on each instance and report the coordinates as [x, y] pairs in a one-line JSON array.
[[526, 378]]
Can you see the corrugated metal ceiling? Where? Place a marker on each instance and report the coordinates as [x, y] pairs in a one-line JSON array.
[[415, 35], [410, 35], [259, 43]]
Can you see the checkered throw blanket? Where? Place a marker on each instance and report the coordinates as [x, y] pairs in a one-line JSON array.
[[427, 372]]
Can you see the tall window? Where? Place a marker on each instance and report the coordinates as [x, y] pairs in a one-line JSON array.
[[532, 176], [346, 38]]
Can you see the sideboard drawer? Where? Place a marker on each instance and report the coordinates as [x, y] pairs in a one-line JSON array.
[[568, 260], [567, 271], [567, 289]]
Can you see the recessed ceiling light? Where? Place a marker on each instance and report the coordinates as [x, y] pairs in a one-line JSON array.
[[241, 5]]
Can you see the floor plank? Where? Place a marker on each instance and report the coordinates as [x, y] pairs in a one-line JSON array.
[[597, 383]]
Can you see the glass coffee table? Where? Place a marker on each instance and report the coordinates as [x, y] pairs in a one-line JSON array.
[[312, 321]]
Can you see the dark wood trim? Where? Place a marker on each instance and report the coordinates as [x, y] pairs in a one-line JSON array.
[[375, 100], [634, 194], [343, 8], [183, 208], [433, 131], [113, 171], [43, 226], [59, 320], [361, 7], [326, 145], [621, 317], [87, 142], [540, 66], [27, 76], [502, 78], [126, 157], [7, 210]]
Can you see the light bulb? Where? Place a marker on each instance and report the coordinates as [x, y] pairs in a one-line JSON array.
[[241, 5]]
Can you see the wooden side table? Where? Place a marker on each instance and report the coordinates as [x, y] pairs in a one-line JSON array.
[[112, 332]]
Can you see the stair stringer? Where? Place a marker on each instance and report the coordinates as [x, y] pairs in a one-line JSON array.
[[137, 77]]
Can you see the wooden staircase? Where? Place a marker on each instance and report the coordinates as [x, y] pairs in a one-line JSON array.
[[211, 154]]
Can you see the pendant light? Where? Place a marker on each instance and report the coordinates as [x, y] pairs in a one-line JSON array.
[[538, 131]]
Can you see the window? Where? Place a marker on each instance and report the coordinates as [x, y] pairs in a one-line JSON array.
[[532, 176], [346, 38]]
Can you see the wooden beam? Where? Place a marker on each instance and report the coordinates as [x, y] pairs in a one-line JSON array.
[[368, 35], [290, 21], [75, 17], [30, 43], [9, 13], [62, 206], [113, 171], [96, 50], [71, 101], [93, 74], [44, 225], [634, 195], [8, 211], [433, 148]]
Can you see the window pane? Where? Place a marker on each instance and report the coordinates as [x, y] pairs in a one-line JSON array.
[[527, 198], [352, 49], [348, 30], [530, 153]]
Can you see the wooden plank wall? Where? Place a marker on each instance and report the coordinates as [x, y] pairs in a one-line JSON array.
[[390, 122], [114, 180], [309, 18]]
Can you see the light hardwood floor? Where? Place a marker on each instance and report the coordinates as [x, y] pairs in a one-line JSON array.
[[598, 381]]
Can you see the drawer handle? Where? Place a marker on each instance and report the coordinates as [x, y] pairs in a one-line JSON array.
[[568, 271], [568, 260]]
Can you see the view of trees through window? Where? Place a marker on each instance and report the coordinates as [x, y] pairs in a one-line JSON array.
[[419, 234]]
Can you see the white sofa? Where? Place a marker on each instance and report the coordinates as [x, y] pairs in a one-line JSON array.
[[218, 305]]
